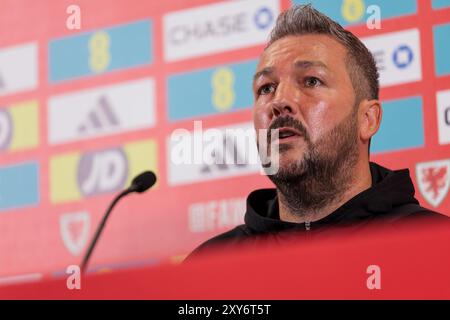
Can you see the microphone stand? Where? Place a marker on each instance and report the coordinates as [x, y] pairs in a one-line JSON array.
[[84, 264]]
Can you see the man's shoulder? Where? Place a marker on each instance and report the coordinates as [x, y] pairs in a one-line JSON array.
[[414, 212], [233, 236]]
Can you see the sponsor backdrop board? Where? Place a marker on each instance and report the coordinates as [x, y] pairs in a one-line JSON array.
[[83, 110]]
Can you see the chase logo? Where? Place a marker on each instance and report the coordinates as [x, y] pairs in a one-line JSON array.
[[217, 27], [442, 49], [102, 111], [348, 12], [75, 176], [397, 55], [18, 68], [263, 18], [19, 127], [19, 186], [224, 89], [443, 110], [403, 56], [401, 126], [116, 48]]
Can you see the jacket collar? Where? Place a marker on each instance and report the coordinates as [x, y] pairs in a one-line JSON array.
[[389, 189]]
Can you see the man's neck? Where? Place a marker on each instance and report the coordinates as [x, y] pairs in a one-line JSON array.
[[361, 181]]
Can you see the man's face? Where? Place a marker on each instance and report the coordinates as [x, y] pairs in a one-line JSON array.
[[302, 88]]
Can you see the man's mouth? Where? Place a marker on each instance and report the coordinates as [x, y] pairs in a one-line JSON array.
[[287, 134]]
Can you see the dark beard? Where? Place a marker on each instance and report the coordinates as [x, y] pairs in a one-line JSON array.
[[324, 174]]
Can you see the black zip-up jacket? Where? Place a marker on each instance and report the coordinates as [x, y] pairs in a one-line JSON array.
[[390, 201]]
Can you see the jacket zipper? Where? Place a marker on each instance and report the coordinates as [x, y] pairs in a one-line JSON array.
[[307, 225]]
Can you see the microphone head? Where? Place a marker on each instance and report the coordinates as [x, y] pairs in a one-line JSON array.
[[143, 181]]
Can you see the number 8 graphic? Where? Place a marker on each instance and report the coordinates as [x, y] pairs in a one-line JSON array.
[[222, 84], [99, 58], [353, 10]]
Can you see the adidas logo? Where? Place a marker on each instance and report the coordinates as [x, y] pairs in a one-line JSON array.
[[101, 117], [2, 83]]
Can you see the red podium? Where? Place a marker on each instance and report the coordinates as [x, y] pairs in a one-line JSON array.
[[411, 264]]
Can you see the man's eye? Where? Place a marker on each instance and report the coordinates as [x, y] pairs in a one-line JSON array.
[[266, 89], [312, 82]]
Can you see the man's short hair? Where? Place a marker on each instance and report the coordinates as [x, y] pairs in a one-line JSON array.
[[361, 66]]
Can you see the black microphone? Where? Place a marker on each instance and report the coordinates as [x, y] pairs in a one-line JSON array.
[[139, 184], [142, 182]]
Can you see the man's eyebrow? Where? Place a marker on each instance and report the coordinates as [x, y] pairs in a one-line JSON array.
[[305, 64], [264, 72], [300, 64]]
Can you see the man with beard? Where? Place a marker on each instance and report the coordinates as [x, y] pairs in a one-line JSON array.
[[316, 86]]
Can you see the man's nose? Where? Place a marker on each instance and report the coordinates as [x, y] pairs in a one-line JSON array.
[[285, 100]]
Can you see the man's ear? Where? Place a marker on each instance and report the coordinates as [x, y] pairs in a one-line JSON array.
[[370, 114]]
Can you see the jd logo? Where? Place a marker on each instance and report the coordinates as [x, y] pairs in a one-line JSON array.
[[74, 230], [102, 171], [5, 129]]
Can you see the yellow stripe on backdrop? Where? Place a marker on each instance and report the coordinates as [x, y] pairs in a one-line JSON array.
[[63, 178], [25, 120], [142, 156]]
